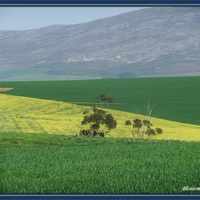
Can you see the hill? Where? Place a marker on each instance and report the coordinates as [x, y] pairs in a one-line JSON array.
[[176, 98], [29, 115], [159, 41]]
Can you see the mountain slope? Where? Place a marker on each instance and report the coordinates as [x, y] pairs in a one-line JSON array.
[[148, 42]]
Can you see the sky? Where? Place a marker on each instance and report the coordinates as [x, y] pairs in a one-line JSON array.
[[24, 18]]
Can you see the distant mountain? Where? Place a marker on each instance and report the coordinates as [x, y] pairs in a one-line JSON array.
[[158, 41]]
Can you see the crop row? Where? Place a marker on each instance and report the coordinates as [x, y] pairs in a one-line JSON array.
[[134, 167]]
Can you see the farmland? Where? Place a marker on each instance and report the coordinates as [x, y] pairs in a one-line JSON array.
[[176, 98], [98, 165], [41, 153], [30, 115]]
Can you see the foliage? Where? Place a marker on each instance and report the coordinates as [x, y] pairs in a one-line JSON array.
[[103, 100], [159, 130], [127, 123], [97, 119], [79, 165], [142, 127]]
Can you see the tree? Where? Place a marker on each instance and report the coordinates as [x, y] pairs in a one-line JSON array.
[[103, 100], [98, 119], [142, 127], [137, 124], [127, 123], [159, 130]]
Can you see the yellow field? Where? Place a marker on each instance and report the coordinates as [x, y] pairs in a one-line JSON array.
[[29, 115]]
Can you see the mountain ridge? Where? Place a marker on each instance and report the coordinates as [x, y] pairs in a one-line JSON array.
[[158, 41]]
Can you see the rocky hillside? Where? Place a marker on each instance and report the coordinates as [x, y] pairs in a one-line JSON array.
[[159, 41]]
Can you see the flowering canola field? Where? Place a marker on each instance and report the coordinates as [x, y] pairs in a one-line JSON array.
[[30, 115]]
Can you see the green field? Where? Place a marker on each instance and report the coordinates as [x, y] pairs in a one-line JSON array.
[[41, 163], [77, 165], [176, 98]]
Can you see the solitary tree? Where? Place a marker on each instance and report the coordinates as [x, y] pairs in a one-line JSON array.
[[103, 100]]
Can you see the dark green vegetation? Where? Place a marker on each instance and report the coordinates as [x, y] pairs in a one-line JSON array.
[[67, 164], [8, 140], [175, 98], [99, 118], [142, 127]]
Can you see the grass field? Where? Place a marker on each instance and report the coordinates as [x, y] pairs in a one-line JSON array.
[[176, 98], [98, 165]]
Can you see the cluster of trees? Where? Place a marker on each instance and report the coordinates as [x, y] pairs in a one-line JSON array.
[[100, 122], [142, 127]]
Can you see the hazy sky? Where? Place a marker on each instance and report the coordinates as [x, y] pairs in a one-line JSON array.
[[23, 18]]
